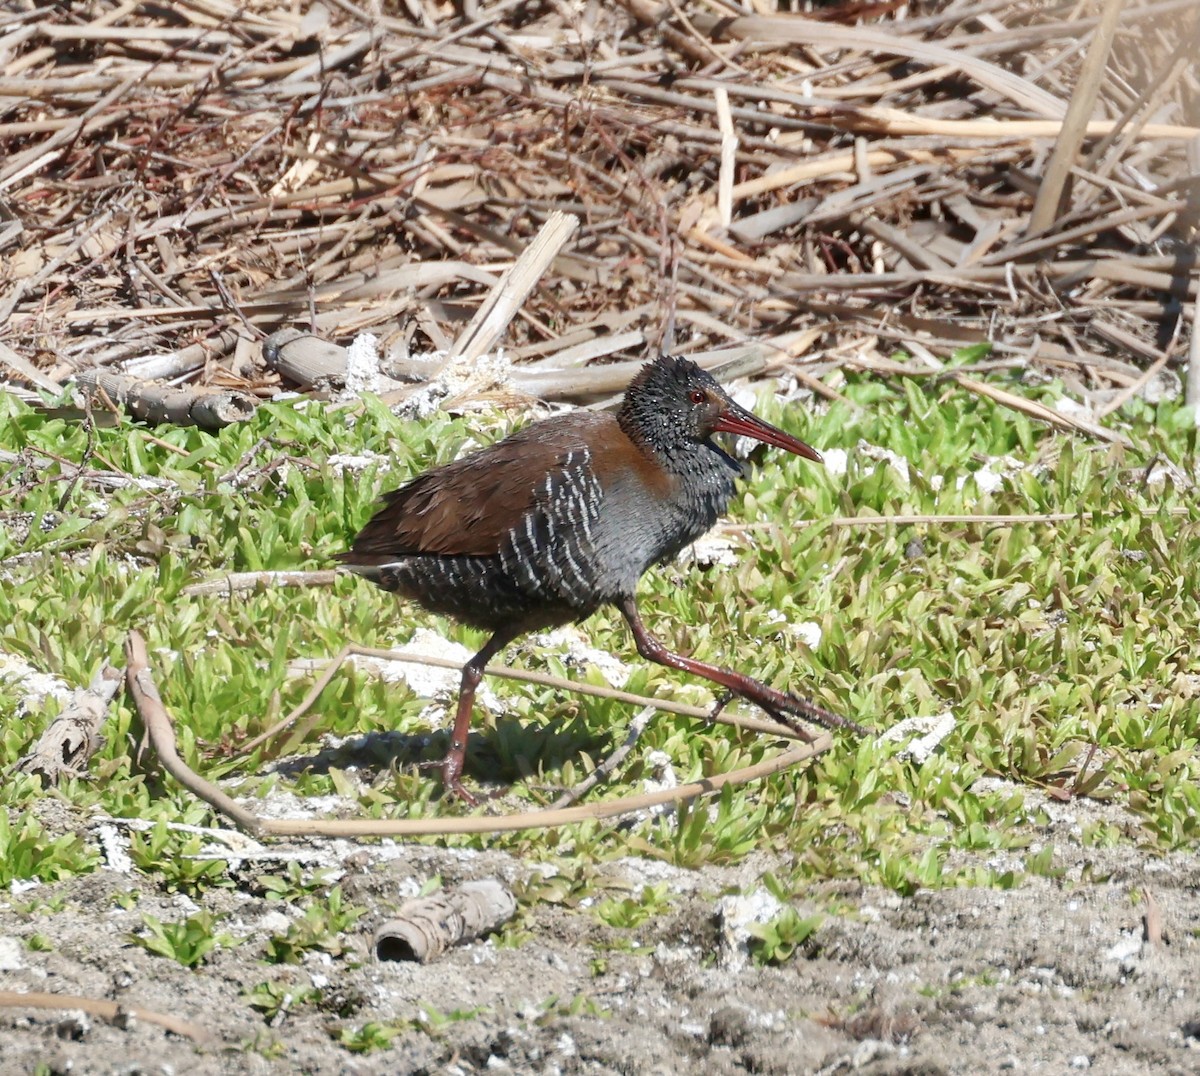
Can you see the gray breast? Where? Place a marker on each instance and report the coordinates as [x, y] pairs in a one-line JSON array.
[[639, 528]]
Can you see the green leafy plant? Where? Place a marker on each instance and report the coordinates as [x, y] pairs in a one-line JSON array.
[[555, 1008], [293, 885], [778, 939], [321, 928], [630, 912], [273, 999], [27, 851], [187, 941], [368, 1037], [168, 855], [433, 1022]]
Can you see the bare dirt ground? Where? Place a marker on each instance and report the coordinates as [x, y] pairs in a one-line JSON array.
[[1094, 969]]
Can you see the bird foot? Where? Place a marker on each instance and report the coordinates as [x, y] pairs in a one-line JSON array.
[[451, 775], [785, 707], [456, 788]]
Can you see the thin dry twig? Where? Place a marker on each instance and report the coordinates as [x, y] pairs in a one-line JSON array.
[[113, 1011], [625, 806], [605, 769]]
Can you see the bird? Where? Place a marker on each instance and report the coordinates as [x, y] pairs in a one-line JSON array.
[[563, 517]]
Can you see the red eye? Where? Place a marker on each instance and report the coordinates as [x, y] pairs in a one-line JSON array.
[[697, 396]]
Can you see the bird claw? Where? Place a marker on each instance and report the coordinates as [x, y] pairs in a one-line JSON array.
[[451, 779], [723, 700], [453, 786], [456, 788], [796, 706]]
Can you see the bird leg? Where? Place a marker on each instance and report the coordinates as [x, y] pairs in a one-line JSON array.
[[782, 706], [472, 674]]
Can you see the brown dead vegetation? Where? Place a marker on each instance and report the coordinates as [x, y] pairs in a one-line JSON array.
[[178, 180]]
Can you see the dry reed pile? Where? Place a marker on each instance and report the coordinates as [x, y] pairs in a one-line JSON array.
[[180, 179]]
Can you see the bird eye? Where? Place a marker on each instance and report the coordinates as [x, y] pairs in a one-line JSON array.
[[697, 396]]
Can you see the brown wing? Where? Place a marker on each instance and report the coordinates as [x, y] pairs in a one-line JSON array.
[[468, 507]]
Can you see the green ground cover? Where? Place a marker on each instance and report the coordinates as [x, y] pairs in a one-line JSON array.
[[1052, 642]]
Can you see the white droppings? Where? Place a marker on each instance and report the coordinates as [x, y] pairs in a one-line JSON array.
[[10, 954], [362, 367], [884, 455], [662, 777], [735, 914], [992, 475], [429, 680], [272, 922], [808, 632], [456, 378], [1125, 950], [986, 480], [115, 846], [1160, 473], [926, 734], [836, 461], [1066, 405], [35, 687], [713, 550], [286, 805], [565, 1045], [345, 461]]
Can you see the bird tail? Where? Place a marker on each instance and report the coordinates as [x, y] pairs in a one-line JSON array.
[[365, 564], [379, 569]]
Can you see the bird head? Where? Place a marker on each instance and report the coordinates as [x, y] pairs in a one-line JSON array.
[[673, 404]]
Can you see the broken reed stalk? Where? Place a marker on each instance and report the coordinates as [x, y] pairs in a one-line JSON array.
[[211, 409], [513, 288], [424, 928], [1053, 189], [71, 739]]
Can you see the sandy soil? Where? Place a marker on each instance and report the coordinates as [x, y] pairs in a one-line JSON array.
[[1054, 976]]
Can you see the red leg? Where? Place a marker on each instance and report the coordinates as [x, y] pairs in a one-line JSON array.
[[783, 707], [452, 764]]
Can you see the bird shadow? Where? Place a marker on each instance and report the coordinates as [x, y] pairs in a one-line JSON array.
[[511, 750]]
